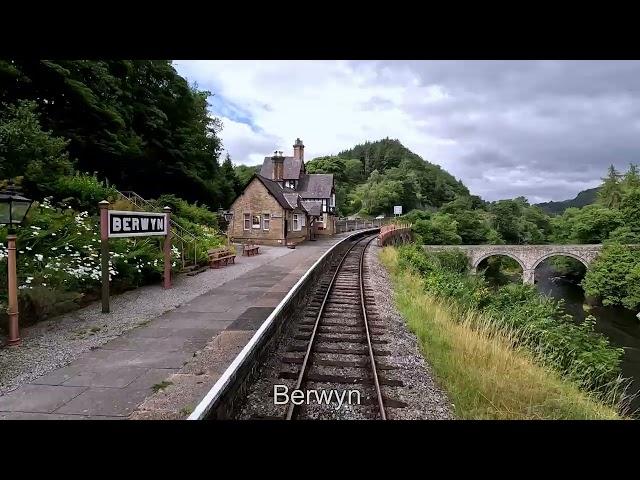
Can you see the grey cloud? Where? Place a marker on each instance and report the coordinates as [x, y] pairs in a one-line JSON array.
[[554, 126]]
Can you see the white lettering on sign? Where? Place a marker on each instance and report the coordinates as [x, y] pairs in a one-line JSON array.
[[144, 223], [135, 224], [125, 224], [117, 224]]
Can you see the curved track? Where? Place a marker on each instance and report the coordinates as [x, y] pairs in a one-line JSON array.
[[341, 348]]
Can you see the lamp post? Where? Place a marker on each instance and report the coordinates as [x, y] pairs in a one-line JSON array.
[[13, 209]]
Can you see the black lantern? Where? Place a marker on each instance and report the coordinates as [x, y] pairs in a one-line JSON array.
[[13, 206]]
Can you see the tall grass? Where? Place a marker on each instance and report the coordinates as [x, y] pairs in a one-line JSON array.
[[482, 368]]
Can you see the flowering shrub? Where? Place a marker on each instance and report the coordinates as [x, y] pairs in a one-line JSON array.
[[58, 253]]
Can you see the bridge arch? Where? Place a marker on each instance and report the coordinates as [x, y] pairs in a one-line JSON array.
[[560, 254], [477, 262]]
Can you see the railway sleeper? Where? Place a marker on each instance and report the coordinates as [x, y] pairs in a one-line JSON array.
[[325, 362], [297, 347], [342, 379]]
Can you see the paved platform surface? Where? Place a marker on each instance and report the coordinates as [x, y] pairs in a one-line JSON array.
[[111, 381]]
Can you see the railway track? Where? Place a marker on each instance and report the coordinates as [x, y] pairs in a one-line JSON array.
[[338, 346]]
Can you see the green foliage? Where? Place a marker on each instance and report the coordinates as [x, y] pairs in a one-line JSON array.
[[127, 120], [244, 173], [609, 276], [27, 151], [610, 192], [440, 229], [591, 224], [191, 212], [575, 350], [83, 192]]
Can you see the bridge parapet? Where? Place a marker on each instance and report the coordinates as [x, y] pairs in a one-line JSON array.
[[528, 256], [394, 234]]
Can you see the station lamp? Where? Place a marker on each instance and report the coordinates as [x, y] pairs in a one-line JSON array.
[[13, 210]]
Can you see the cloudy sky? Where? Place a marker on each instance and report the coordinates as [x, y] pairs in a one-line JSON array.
[[541, 129]]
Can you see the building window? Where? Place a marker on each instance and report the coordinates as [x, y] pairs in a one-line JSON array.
[[296, 223], [266, 220], [247, 220], [255, 221], [290, 184], [303, 220], [324, 204]]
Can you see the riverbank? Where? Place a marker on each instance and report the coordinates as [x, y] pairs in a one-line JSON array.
[[483, 371]]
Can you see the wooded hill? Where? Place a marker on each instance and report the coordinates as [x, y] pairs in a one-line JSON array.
[[374, 176], [585, 197]]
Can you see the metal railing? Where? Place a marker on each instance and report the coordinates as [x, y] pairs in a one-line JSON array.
[[184, 236]]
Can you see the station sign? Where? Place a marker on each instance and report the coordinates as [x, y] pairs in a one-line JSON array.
[[397, 210], [136, 224]]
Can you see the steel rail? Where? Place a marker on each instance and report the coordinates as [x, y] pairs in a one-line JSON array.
[[291, 410], [374, 368]]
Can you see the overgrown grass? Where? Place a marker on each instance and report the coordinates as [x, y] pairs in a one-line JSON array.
[[485, 373]]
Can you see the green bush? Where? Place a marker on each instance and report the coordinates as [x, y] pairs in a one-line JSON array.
[[83, 192], [575, 350], [188, 211]]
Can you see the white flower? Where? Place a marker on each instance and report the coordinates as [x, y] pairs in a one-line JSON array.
[[39, 257], [21, 251], [28, 248], [29, 279], [53, 234], [54, 248], [44, 284]]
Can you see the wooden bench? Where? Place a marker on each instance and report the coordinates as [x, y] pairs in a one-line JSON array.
[[249, 250], [221, 256]]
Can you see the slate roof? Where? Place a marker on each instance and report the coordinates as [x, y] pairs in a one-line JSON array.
[[291, 171], [313, 207], [315, 185], [279, 193]]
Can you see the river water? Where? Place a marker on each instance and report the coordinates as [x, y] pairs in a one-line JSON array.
[[620, 325]]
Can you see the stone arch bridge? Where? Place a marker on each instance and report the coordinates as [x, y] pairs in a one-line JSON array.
[[528, 256]]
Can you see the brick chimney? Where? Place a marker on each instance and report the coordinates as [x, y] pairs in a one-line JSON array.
[[278, 166], [298, 150]]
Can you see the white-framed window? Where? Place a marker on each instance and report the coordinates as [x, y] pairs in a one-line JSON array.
[[266, 221], [255, 221], [303, 220], [324, 204], [290, 184], [296, 223], [247, 221]]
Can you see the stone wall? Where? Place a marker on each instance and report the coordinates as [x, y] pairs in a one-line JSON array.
[[257, 200]]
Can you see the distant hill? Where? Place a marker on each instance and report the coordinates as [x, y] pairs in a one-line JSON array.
[[585, 197], [373, 177]]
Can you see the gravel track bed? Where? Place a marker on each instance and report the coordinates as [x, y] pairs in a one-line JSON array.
[[424, 399], [55, 343]]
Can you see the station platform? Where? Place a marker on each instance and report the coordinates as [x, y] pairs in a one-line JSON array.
[[162, 369]]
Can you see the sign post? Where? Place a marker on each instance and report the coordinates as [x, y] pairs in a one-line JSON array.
[[117, 224], [104, 246]]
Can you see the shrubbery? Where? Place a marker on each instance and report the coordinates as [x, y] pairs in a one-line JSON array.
[[575, 350], [59, 260], [83, 192], [192, 212]]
